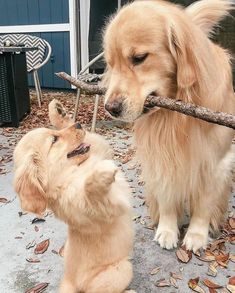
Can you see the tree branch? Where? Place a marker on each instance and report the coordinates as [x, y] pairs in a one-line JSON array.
[[189, 109]]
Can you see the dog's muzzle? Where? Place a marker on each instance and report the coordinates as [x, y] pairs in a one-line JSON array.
[[114, 108]]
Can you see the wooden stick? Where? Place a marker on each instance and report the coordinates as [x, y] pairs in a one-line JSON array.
[[189, 109], [89, 89]]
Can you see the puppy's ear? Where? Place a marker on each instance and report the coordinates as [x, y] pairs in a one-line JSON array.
[[207, 14], [181, 48], [29, 183]]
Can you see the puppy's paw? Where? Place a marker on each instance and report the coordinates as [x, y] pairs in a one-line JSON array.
[[167, 238], [56, 108], [107, 172], [195, 240], [58, 115]]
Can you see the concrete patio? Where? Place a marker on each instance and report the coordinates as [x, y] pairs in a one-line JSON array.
[[17, 275]]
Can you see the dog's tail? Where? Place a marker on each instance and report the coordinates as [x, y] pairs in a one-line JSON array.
[[208, 13]]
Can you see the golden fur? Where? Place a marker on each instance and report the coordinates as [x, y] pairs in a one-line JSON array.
[[186, 162], [88, 193]]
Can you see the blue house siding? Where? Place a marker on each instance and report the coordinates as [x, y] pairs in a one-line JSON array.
[[59, 61], [29, 12]]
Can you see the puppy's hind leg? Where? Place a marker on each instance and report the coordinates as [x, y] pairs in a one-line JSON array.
[[66, 286], [58, 116], [114, 279]]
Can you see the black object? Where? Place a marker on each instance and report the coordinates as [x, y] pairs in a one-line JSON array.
[[14, 92]]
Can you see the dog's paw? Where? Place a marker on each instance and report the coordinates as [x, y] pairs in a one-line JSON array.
[[195, 240], [166, 238], [107, 172], [56, 108]]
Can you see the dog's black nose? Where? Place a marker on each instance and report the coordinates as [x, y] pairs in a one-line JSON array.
[[78, 126], [114, 107]]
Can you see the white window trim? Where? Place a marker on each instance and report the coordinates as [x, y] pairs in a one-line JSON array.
[[37, 28], [73, 38]]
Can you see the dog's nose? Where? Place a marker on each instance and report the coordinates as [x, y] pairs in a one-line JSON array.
[[114, 107], [78, 126]]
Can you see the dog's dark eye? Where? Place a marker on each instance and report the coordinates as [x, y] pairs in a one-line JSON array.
[[138, 59], [54, 139]]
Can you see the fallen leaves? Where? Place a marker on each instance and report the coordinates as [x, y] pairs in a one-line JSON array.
[[31, 244], [222, 259], [155, 271], [33, 260], [38, 288], [38, 220], [162, 283], [211, 284], [3, 200], [42, 247], [183, 255], [231, 284], [193, 284], [212, 271]]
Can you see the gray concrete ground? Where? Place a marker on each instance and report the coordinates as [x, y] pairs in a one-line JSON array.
[[16, 232]]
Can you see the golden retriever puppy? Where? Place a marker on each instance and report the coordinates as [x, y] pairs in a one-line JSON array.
[[161, 48], [70, 172]]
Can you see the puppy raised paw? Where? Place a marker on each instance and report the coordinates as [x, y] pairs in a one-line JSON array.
[[102, 178], [59, 118]]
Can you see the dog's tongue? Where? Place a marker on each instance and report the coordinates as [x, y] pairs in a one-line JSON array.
[[80, 150]]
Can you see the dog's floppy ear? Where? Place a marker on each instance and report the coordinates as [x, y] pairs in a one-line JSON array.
[[29, 183], [181, 48]]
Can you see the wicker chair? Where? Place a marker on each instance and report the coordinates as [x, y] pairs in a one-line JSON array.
[[35, 59]]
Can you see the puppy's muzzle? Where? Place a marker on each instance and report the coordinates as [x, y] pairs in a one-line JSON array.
[[115, 107]]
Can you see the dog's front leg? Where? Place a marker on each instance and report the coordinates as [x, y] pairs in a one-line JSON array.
[[167, 230], [99, 182]]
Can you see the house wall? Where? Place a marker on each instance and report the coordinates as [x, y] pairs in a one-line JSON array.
[[52, 20]]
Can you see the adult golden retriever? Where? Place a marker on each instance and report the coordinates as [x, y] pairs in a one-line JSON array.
[[161, 48], [70, 172]]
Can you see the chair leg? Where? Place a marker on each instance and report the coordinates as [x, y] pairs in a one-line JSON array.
[[77, 104], [93, 125], [36, 87], [39, 86]]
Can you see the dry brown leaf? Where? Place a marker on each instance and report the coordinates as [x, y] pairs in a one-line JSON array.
[[193, 284], [222, 259], [231, 288], [61, 251], [207, 258], [38, 288], [231, 281], [211, 285], [212, 271], [173, 282], [42, 247], [33, 260], [162, 283], [215, 245], [155, 271], [183, 255], [176, 276], [3, 200]]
